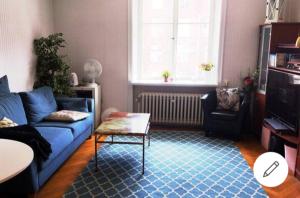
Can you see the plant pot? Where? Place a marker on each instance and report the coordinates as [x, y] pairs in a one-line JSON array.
[[166, 79]]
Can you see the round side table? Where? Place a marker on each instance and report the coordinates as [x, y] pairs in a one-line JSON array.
[[14, 158]]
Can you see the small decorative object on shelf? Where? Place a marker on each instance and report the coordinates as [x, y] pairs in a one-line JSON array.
[[166, 75], [206, 67], [74, 79], [275, 10], [92, 70]]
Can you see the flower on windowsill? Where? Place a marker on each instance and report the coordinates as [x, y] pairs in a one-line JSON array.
[[166, 75], [206, 67]]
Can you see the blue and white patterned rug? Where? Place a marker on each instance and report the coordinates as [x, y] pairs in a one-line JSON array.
[[177, 164]]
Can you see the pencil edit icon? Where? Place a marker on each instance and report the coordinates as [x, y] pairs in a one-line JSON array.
[[271, 168]]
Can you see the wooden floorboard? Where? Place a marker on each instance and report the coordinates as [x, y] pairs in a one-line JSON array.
[[63, 178]]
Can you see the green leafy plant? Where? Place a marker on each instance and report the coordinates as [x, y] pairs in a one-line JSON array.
[[166, 74], [206, 67], [51, 69]]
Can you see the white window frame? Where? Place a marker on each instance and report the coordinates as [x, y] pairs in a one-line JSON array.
[[133, 60]]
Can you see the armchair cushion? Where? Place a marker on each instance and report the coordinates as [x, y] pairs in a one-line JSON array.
[[228, 99]]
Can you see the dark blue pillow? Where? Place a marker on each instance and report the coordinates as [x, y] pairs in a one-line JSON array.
[[11, 106], [75, 105], [4, 88], [38, 104]]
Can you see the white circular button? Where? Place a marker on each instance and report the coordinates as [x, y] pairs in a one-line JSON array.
[[270, 169]]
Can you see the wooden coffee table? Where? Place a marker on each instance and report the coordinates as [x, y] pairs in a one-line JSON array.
[[14, 158], [124, 124]]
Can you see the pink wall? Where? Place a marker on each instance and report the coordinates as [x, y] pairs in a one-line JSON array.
[[99, 29], [20, 23], [241, 38]]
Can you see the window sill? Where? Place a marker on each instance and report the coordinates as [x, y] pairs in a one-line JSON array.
[[173, 84]]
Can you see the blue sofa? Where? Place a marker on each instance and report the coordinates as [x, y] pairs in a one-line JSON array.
[[64, 138]]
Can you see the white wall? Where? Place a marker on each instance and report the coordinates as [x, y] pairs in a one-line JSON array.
[[99, 29], [21, 21]]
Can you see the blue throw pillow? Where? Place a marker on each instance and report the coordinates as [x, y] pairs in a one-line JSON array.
[[39, 104], [75, 105], [11, 106], [4, 88]]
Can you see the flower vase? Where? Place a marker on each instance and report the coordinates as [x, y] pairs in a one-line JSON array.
[[166, 79]]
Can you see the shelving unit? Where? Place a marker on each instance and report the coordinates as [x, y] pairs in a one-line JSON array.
[[91, 92], [273, 39], [288, 48], [285, 136]]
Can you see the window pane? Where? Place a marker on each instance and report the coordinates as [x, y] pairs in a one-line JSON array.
[[194, 11], [192, 49], [158, 11], [156, 50]]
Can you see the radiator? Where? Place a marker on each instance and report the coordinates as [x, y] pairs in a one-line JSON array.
[[171, 108]]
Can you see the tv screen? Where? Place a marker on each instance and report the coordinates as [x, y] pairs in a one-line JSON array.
[[281, 99]]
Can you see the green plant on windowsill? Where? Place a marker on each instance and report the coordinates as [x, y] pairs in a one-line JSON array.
[[206, 67], [51, 68], [166, 74]]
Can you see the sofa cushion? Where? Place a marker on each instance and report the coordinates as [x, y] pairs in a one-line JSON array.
[[74, 105], [11, 107], [224, 115], [38, 104], [67, 116], [59, 138], [6, 122], [76, 127], [4, 88]]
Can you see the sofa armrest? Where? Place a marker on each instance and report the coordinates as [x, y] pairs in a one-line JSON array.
[[90, 102]]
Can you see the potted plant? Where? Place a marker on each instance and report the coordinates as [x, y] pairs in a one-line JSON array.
[[51, 69], [206, 67], [249, 82], [166, 74]]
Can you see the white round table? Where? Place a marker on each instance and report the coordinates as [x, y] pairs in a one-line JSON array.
[[14, 158]]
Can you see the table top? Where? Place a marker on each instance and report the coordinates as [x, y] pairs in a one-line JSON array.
[[123, 123], [14, 158]]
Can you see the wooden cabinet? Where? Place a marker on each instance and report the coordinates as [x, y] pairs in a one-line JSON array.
[[263, 58], [271, 36], [259, 112], [91, 92]]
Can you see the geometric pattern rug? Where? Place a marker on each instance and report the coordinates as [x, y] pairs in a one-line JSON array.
[[177, 164]]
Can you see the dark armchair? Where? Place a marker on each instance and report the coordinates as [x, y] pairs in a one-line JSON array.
[[223, 122]]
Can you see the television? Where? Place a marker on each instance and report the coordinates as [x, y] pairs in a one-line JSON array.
[[282, 99]]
